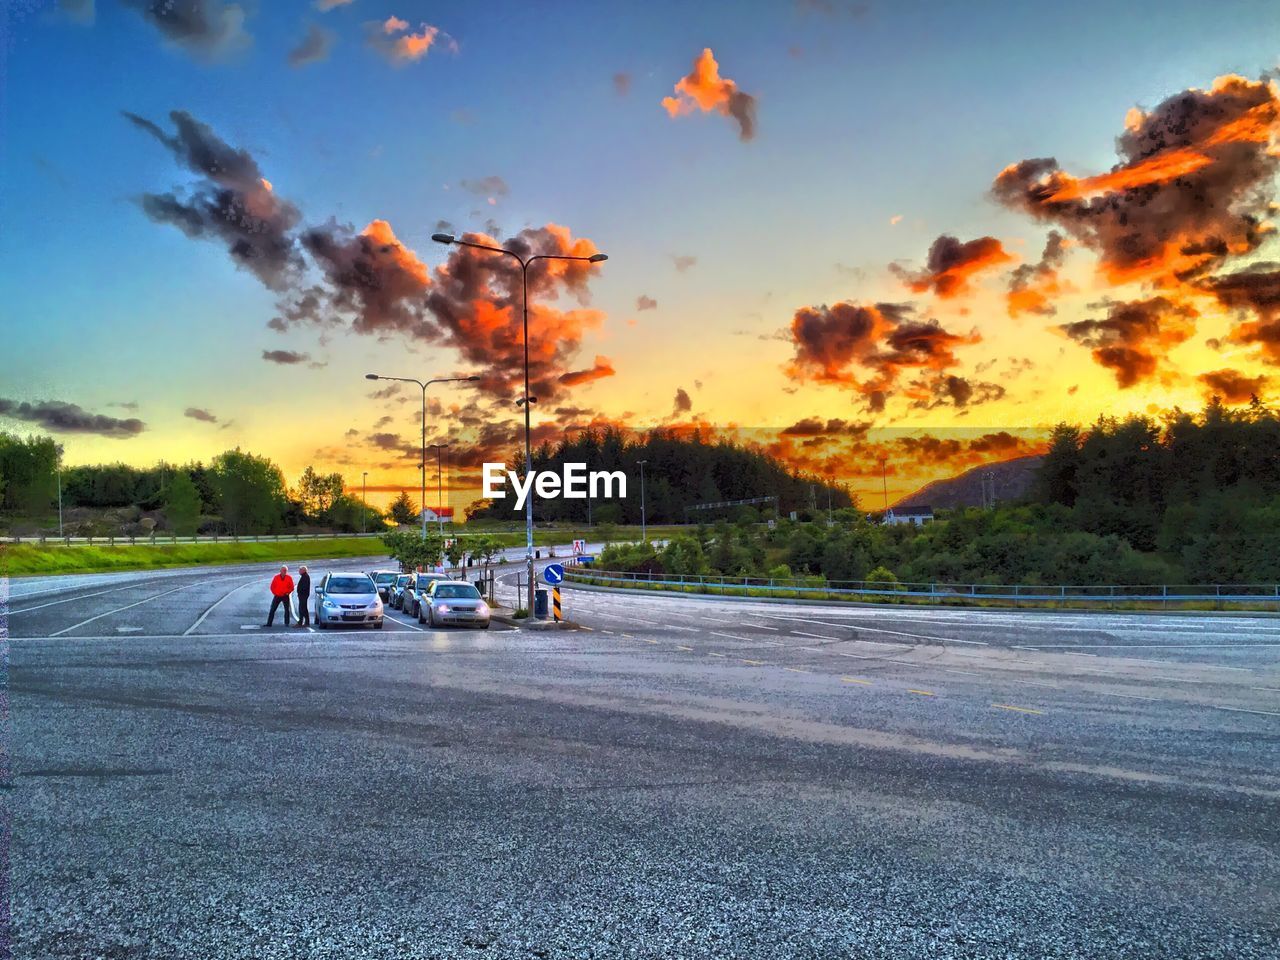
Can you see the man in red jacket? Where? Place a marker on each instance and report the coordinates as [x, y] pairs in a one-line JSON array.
[[281, 589]]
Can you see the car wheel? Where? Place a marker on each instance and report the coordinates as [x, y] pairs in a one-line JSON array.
[[485, 625], [378, 625]]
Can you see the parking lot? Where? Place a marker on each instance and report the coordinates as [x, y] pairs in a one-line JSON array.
[[679, 777]]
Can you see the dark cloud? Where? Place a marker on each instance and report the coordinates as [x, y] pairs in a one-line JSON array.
[[832, 427], [197, 413], [1255, 290], [492, 187], [1033, 285], [683, 404], [314, 47], [952, 390], [645, 302], [285, 357], [59, 416], [1134, 338], [232, 201], [1193, 185], [1232, 386], [705, 90], [683, 262], [951, 265], [206, 29], [622, 83], [867, 346]]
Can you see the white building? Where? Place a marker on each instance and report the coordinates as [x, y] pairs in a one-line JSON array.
[[912, 515]]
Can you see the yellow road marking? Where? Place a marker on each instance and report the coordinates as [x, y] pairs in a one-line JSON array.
[[647, 640], [796, 669], [923, 693], [712, 653], [754, 663], [865, 683], [1009, 706], [682, 647]]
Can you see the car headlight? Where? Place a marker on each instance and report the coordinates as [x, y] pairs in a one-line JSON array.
[[442, 607], [329, 605], [483, 609]]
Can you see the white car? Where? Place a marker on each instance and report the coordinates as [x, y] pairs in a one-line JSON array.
[[348, 599]]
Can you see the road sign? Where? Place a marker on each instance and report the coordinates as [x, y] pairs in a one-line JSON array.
[[579, 546], [553, 573], [556, 610]]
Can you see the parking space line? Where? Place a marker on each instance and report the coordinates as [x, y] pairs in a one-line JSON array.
[[754, 663], [185, 586], [208, 610], [816, 636]]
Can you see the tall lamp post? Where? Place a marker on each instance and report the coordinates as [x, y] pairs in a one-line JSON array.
[[364, 501], [644, 529], [440, 448], [525, 401], [422, 464], [567, 431]]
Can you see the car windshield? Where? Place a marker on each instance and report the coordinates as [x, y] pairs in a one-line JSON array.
[[350, 585], [384, 578], [456, 591], [401, 581], [424, 582]]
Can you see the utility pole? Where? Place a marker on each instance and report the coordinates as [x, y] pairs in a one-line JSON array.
[[884, 480], [364, 500], [644, 529]]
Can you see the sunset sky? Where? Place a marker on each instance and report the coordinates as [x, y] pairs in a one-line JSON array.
[[836, 228]]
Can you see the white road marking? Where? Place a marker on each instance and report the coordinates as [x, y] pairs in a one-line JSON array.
[[816, 636], [78, 596], [209, 609], [130, 606]]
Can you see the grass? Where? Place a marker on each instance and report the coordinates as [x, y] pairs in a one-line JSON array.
[[28, 559]]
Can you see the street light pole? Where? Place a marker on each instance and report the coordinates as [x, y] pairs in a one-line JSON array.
[[526, 401], [364, 501], [440, 448], [422, 464], [644, 529]]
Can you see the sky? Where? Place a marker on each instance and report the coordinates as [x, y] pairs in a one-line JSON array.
[[915, 232]]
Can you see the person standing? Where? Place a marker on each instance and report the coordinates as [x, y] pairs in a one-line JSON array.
[[281, 588], [304, 595]]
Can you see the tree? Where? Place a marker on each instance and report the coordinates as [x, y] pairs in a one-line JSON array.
[[249, 490], [182, 505], [412, 550], [402, 509], [29, 468]]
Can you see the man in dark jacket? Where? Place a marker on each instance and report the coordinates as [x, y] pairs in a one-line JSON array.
[[304, 594], [281, 588]]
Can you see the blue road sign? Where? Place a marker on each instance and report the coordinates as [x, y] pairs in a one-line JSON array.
[[553, 573]]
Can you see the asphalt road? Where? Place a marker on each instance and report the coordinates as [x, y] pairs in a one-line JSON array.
[[679, 778]]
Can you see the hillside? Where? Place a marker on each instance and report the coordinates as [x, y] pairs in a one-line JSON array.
[[1011, 480]]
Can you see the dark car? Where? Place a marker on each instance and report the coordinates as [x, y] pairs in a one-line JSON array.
[[396, 590], [454, 603], [348, 599], [411, 593], [384, 580]]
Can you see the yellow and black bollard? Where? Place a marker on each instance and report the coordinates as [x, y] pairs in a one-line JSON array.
[[555, 604]]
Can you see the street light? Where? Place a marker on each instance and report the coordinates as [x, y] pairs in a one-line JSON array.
[[422, 465], [364, 501], [644, 535], [567, 431], [525, 401], [440, 448]]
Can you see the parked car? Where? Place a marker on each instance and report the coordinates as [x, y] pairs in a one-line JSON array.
[[454, 603], [348, 598], [411, 593], [397, 588], [383, 580]]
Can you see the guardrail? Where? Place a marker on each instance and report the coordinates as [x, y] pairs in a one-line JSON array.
[[167, 540], [1216, 596]]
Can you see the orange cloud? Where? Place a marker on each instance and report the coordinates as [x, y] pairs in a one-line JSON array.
[[394, 39], [603, 367], [951, 265], [705, 90], [1134, 337]]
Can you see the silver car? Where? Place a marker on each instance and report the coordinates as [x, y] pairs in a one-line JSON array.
[[411, 593], [348, 599], [454, 603]]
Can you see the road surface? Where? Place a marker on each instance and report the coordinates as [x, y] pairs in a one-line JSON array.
[[679, 778]]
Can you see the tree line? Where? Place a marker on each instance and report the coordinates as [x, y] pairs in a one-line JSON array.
[[680, 472], [1185, 499]]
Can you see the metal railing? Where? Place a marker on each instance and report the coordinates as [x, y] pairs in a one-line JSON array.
[[1218, 596], [164, 539]]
